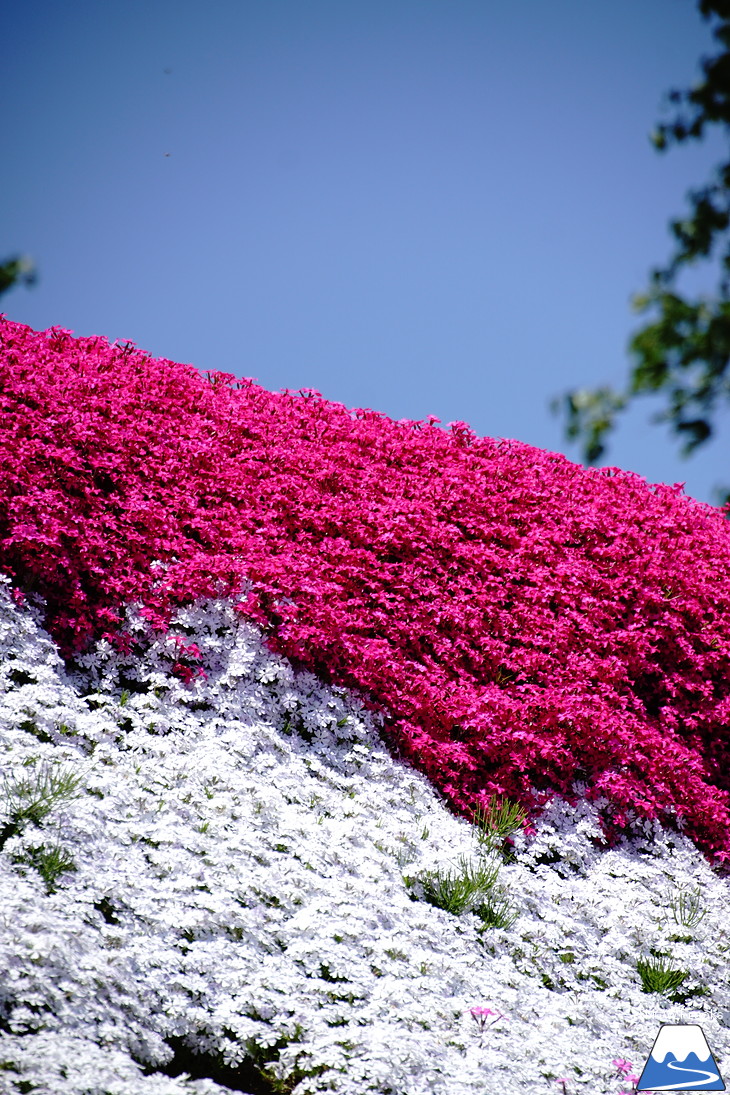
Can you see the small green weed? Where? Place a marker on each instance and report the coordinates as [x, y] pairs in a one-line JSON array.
[[462, 890], [686, 906], [31, 798], [497, 910], [396, 955], [405, 856], [497, 823], [657, 976], [51, 861]]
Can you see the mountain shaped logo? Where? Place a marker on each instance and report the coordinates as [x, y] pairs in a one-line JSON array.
[[680, 1060]]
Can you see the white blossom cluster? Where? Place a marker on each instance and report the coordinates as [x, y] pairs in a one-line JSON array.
[[233, 915]]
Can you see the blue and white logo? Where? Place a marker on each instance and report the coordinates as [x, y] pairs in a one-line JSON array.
[[680, 1060]]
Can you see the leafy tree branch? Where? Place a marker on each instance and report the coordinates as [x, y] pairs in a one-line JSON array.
[[15, 271], [683, 351]]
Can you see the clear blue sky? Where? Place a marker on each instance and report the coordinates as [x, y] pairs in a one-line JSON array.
[[420, 206]]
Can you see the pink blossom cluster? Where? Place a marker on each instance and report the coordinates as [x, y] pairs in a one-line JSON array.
[[527, 624]]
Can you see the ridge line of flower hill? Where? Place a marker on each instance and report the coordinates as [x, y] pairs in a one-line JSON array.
[[530, 626]]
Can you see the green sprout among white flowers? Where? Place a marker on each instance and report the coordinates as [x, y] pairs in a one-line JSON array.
[[29, 800], [473, 887], [497, 822]]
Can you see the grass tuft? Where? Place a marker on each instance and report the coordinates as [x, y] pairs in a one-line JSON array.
[[687, 908], [657, 976], [496, 911], [51, 861], [31, 798], [498, 822], [461, 890]]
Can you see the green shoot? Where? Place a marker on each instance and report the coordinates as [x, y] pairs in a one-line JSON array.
[[31, 798], [687, 908], [497, 910], [459, 891], [51, 861], [498, 822], [657, 976]]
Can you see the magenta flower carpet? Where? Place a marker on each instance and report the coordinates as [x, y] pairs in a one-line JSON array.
[[344, 755], [527, 626]]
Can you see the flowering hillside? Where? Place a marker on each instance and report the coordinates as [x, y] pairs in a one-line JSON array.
[[529, 627], [226, 888], [342, 754]]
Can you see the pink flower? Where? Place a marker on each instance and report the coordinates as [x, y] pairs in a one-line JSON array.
[[480, 1016]]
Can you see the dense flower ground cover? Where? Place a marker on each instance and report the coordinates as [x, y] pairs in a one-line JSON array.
[[224, 900], [526, 623], [262, 665]]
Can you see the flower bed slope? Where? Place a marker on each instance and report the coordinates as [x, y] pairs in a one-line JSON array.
[[529, 627], [235, 909]]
